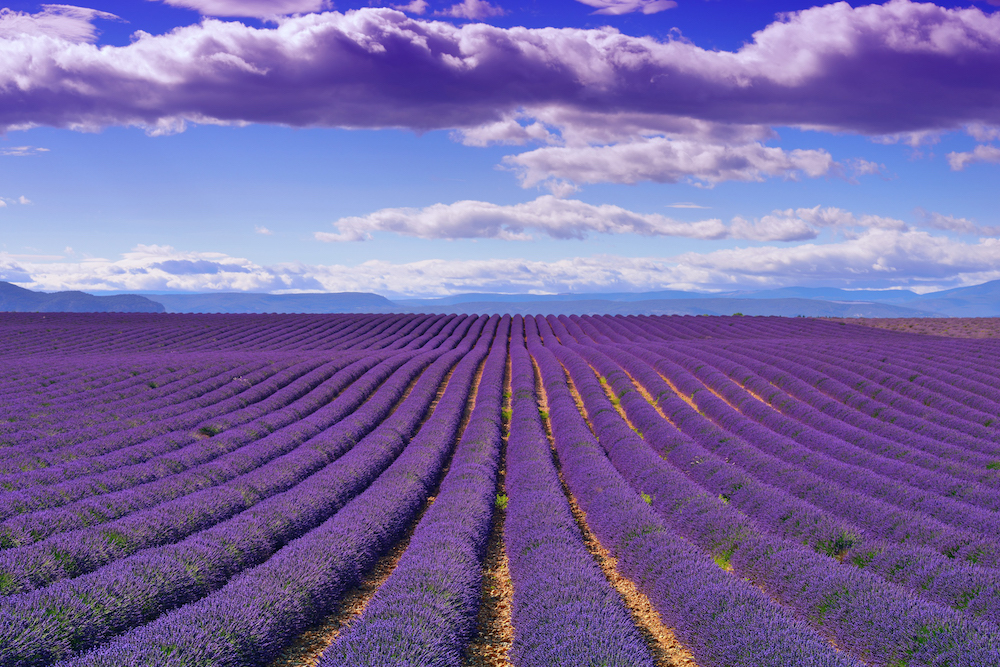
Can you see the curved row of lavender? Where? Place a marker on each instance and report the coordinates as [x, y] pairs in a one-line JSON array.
[[424, 613], [202, 489]]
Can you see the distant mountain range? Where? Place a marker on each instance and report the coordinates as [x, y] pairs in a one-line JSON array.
[[685, 306], [977, 301], [18, 299], [250, 302]]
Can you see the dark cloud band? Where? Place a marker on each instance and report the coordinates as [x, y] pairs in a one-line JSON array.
[[898, 67]]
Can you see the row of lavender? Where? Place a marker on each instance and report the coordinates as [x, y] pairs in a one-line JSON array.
[[268, 475], [771, 496], [71, 335]]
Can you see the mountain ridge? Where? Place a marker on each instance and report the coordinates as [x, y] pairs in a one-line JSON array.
[[18, 299], [974, 301]]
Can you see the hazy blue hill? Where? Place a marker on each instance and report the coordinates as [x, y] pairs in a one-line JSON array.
[[710, 306], [820, 293], [568, 307], [20, 300], [248, 302], [976, 301], [481, 297], [829, 294]]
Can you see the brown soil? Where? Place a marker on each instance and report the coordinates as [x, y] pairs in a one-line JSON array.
[[664, 647], [306, 649], [490, 647], [615, 401], [495, 630], [952, 327]]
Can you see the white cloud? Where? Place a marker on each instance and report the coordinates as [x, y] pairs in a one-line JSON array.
[[558, 218], [507, 131], [414, 7], [864, 70], [573, 219], [73, 24], [258, 229], [950, 223], [665, 160], [629, 6], [876, 258], [22, 151], [981, 153], [686, 204], [832, 218], [705, 115], [566, 125], [561, 189], [11, 271], [772, 228], [861, 167], [252, 8], [983, 133], [159, 268], [4, 201], [473, 10]]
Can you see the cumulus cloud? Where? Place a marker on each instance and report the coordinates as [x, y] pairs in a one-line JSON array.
[[950, 223], [878, 69], [981, 153], [414, 7], [557, 218], [861, 167], [591, 147], [832, 217], [578, 127], [686, 204], [629, 6], [665, 160], [258, 229], [472, 9], [572, 219], [63, 22], [11, 271], [604, 107], [252, 8], [23, 200], [153, 267], [507, 131], [983, 133], [877, 258]]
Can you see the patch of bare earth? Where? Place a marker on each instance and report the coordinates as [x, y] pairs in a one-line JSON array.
[[952, 327], [664, 647], [490, 647], [306, 649]]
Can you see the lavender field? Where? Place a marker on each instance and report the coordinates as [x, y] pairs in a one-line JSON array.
[[423, 490]]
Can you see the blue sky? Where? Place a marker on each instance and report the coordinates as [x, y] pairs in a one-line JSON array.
[[512, 146]]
